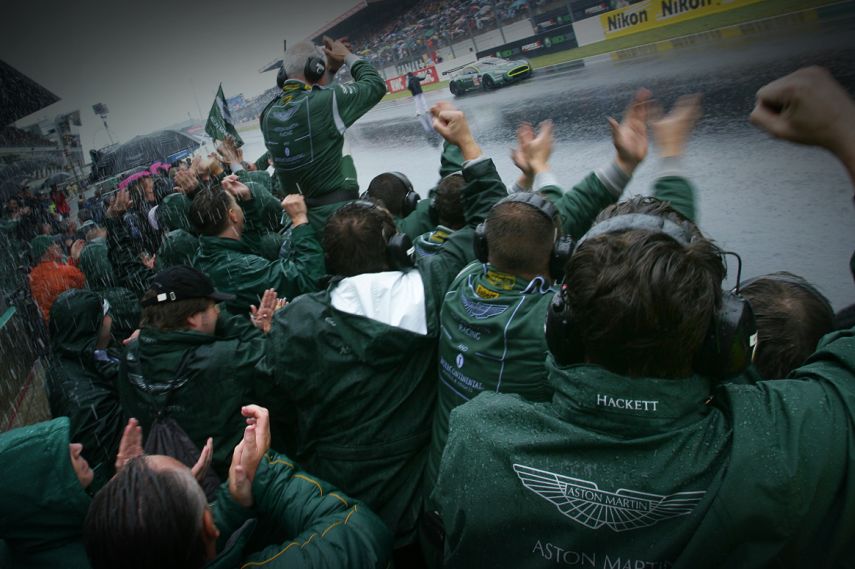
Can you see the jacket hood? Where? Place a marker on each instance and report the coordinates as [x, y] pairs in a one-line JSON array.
[[75, 319], [172, 213], [44, 505]]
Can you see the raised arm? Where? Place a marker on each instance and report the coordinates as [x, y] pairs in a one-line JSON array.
[[352, 101]]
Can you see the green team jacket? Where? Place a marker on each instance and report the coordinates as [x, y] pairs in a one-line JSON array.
[[304, 130], [421, 220], [317, 526], [364, 390], [179, 244], [43, 505], [647, 472], [492, 323], [124, 304], [219, 376], [237, 268], [82, 385]]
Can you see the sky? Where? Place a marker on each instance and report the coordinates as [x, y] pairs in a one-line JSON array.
[[151, 62]]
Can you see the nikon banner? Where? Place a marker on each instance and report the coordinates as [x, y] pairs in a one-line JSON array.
[[656, 13]]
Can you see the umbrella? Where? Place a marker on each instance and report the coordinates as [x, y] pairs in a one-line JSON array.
[[57, 178]]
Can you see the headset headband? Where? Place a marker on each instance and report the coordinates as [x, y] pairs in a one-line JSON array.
[[642, 222], [539, 203]]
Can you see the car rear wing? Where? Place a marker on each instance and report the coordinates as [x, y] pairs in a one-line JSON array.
[[458, 68]]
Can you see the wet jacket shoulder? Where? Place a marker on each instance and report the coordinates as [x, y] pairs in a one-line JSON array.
[[83, 388], [423, 219], [127, 266], [95, 263], [200, 380], [43, 506], [324, 527]]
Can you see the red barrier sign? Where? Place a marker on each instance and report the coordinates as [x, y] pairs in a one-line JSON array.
[[399, 83]]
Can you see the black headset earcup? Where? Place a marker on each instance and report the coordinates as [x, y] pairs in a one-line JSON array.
[[562, 339], [315, 69], [281, 77], [729, 344], [562, 250], [411, 200], [482, 253], [400, 252]]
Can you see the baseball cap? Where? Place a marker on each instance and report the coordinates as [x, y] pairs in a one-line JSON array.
[[181, 283]]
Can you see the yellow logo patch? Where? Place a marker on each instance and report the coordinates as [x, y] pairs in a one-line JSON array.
[[484, 292], [503, 281]]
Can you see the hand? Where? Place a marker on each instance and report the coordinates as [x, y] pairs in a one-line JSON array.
[[672, 131], [77, 248], [229, 152], [336, 52], [535, 150], [262, 317], [236, 188], [630, 135], [808, 107], [295, 206], [131, 338], [452, 125], [200, 469], [149, 261], [130, 446], [185, 181], [248, 454], [121, 203]]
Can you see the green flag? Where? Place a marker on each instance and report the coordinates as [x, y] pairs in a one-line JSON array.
[[220, 123]]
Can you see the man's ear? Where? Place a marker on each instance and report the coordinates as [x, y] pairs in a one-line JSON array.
[[209, 527], [194, 321]]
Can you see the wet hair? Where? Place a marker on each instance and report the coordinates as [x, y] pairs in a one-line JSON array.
[[389, 191], [520, 238], [791, 318], [209, 210], [642, 301], [448, 201], [146, 517], [296, 56], [171, 315], [355, 239]]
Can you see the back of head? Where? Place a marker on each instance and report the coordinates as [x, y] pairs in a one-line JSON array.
[[355, 239], [147, 517], [520, 238], [641, 301], [791, 318], [209, 211], [389, 190], [448, 201], [294, 62]]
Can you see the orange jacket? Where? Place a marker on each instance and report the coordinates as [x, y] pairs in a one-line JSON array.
[[49, 279]]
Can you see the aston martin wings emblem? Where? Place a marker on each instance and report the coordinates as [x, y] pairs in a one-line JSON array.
[[585, 503], [481, 310]]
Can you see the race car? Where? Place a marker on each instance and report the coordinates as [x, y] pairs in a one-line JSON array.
[[488, 73]]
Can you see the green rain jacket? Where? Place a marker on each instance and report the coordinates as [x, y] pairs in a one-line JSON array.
[[363, 389], [179, 244], [236, 268], [321, 526], [647, 472], [43, 506], [211, 378], [304, 130], [421, 220], [84, 387], [124, 304], [127, 267], [492, 323]]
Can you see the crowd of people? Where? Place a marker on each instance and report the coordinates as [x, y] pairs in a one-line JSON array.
[[278, 370]]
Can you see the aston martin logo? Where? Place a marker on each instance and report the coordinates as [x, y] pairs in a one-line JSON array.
[[585, 503], [481, 310]]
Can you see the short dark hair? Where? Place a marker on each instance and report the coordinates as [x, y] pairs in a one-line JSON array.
[[355, 239], [146, 517], [171, 315], [448, 201], [643, 302], [209, 210], [519, 237], [791, 318], [389, 191]]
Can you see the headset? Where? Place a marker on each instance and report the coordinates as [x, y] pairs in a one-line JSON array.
[[313, 71], [410, 199], [400, 253], [731, 336], [562, 247]]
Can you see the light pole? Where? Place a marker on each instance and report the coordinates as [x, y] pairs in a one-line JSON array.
[[102, 111]]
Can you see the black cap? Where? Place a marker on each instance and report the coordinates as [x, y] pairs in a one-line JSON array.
[[181, 283]]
